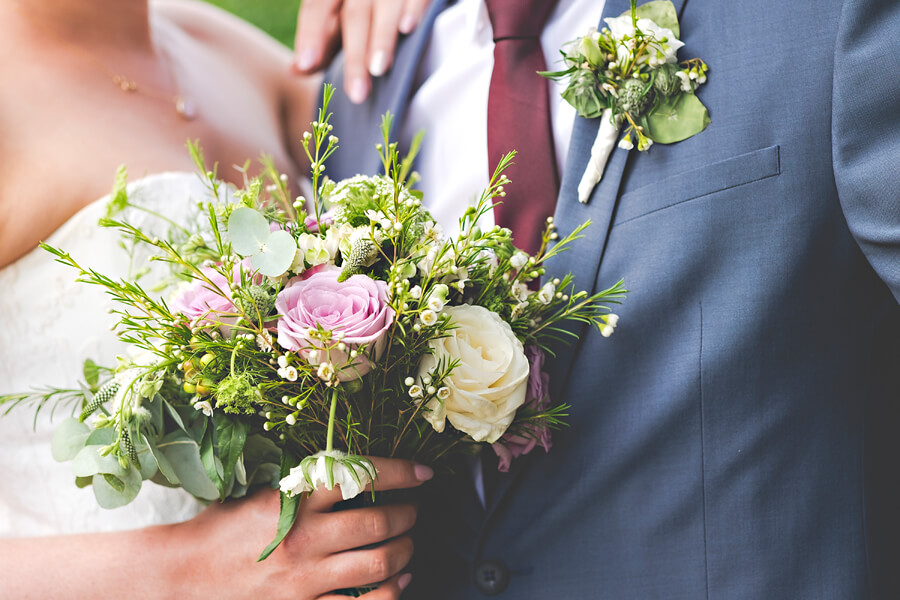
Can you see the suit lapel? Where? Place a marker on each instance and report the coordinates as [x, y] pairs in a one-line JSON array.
[[584, 257], [360, 126]]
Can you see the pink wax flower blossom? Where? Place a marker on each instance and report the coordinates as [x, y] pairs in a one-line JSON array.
[[514, 445], [356, 311]]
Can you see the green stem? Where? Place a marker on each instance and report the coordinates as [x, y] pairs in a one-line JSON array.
[[329, 442]]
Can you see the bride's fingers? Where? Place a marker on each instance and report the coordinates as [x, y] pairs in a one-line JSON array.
[[385, 23], [356, 568], [356, 20], [318, 34], [349, 529], [393, 474], [412, 14], [389, 590]]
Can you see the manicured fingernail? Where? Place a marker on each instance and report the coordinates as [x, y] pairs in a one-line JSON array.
[[306, 59], [408, 23], [404, 580], [358, 90], [378, 63], [423, 473]]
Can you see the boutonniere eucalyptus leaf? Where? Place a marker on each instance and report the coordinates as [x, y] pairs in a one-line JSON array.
[[628, 75]]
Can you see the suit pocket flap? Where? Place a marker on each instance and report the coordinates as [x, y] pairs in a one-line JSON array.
[[719, 176]]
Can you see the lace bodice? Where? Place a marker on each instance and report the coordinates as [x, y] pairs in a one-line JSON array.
[[49, 325]]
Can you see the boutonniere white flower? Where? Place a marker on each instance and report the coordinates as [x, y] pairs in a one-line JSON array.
[[627, 74]]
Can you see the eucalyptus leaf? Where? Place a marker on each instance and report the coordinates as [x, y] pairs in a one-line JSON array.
[[148, 463], [175, 416], [101, 437], [211, 462], [68, 439], [88, 462], [183, 454], [661, 12], [115, 490], [276, 254], [155, 406], [676, 118], [83, 482], [231, 435], [248, 231], [165, 467]]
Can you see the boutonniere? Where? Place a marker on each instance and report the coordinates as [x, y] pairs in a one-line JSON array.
[[628, 75]]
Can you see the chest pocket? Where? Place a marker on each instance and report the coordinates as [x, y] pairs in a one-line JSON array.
[[697, 183]]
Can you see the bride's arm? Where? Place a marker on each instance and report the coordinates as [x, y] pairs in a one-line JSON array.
[[214, 554]]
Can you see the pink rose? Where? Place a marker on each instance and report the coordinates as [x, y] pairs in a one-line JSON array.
[[513, 445], [203, 303], [356, 308]]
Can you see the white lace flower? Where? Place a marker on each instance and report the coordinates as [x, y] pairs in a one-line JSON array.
[[546, 293], [264, 341], [518, 260], [429, 318], [520, 291], [325, 371], [612, 320]]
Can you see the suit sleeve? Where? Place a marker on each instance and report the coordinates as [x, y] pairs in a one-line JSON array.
[[866, 130]]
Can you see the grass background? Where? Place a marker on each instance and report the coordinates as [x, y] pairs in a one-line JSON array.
[[276, 17]]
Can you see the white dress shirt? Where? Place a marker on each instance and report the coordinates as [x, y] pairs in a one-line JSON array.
[[450, 105], [450, 102]]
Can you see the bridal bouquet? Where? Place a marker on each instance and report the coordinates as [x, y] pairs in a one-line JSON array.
[[298, 344]]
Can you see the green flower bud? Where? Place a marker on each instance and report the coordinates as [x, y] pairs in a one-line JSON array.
[[666, 82], [585, 94], [632, 97]]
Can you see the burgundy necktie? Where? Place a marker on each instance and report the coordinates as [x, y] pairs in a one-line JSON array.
[[519, 119]]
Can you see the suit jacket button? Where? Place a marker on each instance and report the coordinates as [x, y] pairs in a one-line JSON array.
[[491, 577]]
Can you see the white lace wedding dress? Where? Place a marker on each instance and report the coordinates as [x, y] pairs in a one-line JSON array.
[[48, 325]]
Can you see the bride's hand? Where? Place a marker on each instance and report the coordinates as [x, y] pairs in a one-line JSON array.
[[367, 30], [214, 554], [324, 551]]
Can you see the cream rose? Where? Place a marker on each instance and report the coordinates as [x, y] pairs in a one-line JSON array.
[[488, 385]]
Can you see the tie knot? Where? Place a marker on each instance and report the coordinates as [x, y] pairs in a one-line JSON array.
[[518, 18]]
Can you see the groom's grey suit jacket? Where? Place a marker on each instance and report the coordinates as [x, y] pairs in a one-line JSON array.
[[737, 438]]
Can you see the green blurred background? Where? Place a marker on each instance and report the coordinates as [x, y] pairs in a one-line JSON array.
[[276, 17]]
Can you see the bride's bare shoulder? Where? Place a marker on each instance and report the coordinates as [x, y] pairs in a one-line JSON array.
[[226, 33]]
